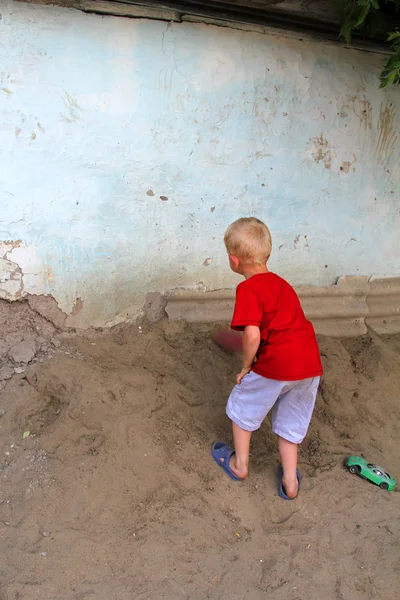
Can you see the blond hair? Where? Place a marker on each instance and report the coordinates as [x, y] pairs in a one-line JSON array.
[[249, 239]]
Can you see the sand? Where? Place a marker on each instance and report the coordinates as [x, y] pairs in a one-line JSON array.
[[113, 495]]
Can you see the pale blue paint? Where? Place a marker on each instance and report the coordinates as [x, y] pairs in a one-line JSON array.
[[204, 116]]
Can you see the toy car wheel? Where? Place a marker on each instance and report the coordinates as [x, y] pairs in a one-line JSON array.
[[354, 469], [384, 486]]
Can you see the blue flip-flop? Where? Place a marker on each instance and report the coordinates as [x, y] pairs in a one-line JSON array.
[[221, 451], [281, 489]]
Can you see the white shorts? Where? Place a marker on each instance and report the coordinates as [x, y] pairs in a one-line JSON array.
[[292, 404]]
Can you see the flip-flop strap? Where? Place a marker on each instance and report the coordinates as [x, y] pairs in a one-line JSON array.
[[225, 452]]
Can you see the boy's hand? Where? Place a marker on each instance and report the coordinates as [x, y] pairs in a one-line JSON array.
[[242, 373], [251, 343]]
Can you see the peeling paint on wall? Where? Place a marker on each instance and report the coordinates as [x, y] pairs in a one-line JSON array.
[[11, 284], [122, 169]]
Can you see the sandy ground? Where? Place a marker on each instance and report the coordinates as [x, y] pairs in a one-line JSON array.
[[114, 495]]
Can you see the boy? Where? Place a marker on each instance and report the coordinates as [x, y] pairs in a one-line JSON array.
[[281, 361]]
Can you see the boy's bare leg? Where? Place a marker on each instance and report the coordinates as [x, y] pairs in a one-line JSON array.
[[288, 452], [239, 462]]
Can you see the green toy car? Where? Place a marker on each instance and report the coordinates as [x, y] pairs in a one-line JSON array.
[[359, 466]]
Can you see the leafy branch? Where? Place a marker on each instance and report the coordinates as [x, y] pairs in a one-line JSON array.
[[391, 71], [372, 18]]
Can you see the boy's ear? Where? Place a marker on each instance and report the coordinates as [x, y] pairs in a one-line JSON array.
[[234, 260]]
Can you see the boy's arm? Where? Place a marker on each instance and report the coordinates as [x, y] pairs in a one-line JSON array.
[[251, 343]]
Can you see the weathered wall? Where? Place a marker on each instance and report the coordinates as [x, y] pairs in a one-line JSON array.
[[127, 146]]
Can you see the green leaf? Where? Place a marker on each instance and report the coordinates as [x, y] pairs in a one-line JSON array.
[[392, 77], [394, 36], [26, 434], [363, 15], [393, 63], [391, 71]]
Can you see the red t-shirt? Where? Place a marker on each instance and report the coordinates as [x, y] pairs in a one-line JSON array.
[[288, 349]]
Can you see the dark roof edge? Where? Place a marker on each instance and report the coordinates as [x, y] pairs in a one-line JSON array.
[[221, 14]]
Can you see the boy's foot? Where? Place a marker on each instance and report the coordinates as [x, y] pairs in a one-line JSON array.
[[242, 473], [291, 488], [288, 489]]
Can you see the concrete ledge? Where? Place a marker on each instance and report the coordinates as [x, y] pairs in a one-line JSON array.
[[383, 303], [346, 309]]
